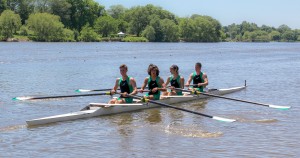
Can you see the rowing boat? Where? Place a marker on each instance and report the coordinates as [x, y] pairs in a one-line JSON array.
[[99, 109]]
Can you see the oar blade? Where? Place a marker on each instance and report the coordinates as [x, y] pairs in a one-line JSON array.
[[280, 107], [82, 90], [223, 119], [21, 98]]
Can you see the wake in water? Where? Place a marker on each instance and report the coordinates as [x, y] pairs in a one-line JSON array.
[[11, 128], [256, 121], [190, 131]]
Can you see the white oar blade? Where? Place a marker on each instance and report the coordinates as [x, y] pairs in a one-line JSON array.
[[21, 98], [83, 90], [223, 119], [280, 107]]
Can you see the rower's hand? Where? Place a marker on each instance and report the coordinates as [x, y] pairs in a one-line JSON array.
[[172, 88], [154, 90], [187, 85], [124, 94], [112, 92], [199, 84], [141, 90]]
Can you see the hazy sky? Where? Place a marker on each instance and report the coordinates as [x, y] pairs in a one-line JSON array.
[[268, 12]]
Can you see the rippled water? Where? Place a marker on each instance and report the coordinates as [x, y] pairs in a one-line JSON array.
[[271, 70]]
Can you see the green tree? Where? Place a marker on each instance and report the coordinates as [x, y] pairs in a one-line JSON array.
[[283, 28], [267, 28], [83, 12], [3, 5], [9, 23], [170, 30], [157, 26], [186, 28], [42, 6], [106, 25], [122, 25], [62, 8], [87, 34], [289, 36], [117, 11], [275, 36], [46, 27], [149, 33], [138, 20]]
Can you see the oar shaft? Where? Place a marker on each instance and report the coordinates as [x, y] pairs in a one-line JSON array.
[[174, 107], [61, 96], [234, 99]]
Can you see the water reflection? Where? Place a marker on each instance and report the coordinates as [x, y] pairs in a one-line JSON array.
[[153, 116], [124, 122]]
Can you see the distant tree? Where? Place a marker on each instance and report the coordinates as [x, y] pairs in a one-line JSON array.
[[3, 5], [246, 26], [83, 12], [87, 34], [186, 28], [289, 36], [9, 23], [170, 30], [149, 33], [283, 28], [68, 35], [156, 24], [106, 25], [138, 20], [42, 6], [62, 8], [275, 36], [116, 11], [46, 27], [122, 25], [267, 28], [141, 16]]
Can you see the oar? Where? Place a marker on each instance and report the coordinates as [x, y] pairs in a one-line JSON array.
[[240, 100], [96, 90], [61, 96], [174, 107]]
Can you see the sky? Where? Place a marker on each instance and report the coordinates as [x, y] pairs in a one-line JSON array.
[[268, 12]]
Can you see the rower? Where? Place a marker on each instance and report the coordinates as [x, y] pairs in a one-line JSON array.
[[127, 85], [176, 81], [200, 80], [154, 82]]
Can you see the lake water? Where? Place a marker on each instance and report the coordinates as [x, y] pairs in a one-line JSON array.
[[39, 69]]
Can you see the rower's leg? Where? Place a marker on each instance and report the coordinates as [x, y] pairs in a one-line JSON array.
[[113, 101], [120, 101]]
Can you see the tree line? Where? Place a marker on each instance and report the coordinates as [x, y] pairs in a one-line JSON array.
[[87, 20]]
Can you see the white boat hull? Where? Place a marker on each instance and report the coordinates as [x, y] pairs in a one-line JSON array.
[[99, 109]]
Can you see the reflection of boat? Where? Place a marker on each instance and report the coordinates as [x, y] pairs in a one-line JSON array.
[[98, 109]]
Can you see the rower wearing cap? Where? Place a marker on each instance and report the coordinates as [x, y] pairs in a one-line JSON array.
[[200, 80], [176, 81], [127, 85], [154, 82]]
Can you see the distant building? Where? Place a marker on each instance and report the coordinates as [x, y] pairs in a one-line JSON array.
[[121, 34]]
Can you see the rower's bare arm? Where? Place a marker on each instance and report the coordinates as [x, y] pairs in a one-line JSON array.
[[144, 85], [189, 80], [163, 85], [182, 82], [168, 81], [205, 78], [116, 86], [133, 83]]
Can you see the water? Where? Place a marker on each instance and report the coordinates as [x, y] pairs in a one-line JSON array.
[[271, 70]]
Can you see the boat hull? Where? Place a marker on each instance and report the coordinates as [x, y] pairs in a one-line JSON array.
[[105, 109]]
